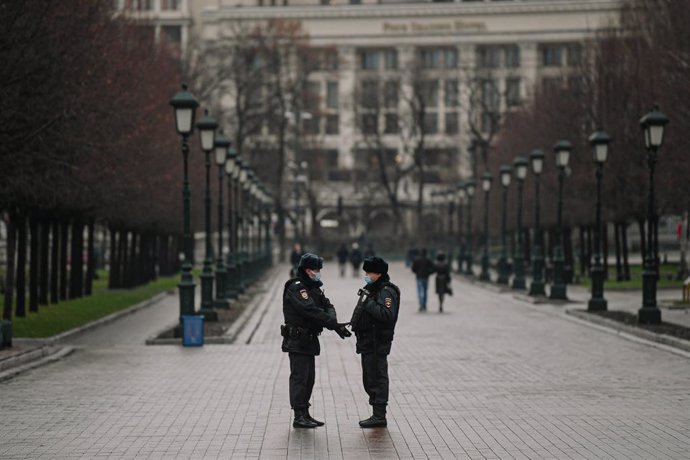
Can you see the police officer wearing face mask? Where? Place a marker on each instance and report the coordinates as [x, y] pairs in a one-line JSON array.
[[373, 322], [307, 311]]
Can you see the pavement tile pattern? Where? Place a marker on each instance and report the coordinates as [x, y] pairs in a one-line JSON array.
[[490, 378]]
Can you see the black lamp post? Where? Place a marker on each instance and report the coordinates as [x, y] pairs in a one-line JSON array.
[[241, 225], [600, 147], [185, 104], [231, 172], [562, 150], [462, 197], [503, 271], [537, 286], [470, 187], [487, 178], [653, 125], [207, 132], [221, 150], [520, 164]]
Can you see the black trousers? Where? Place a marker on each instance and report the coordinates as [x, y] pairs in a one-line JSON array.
[[375, 378], [302, 376]]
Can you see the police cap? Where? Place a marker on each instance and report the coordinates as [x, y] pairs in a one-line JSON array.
[[375, 265], [311, 261]]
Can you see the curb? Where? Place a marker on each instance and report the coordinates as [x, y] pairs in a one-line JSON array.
[[15, 365], [620, 329], [48, 341]]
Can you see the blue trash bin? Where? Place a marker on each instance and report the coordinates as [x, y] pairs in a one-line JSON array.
[[192, 330]]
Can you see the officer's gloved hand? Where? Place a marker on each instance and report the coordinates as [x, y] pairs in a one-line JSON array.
[[342, 331]]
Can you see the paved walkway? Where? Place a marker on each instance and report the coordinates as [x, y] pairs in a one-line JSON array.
[[493, 377]]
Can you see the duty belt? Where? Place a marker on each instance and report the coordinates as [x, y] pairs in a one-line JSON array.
[[296, 332]]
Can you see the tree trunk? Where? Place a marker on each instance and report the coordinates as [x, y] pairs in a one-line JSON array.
[[43, 284], [164, 255], [113, 260], [55, 263], [10, 268], [568, 249], [34, 265], [626, 265], [90, 258], [20, 310], [643, 241], [133, 268], [583, 246], [590, 247], [76, 263], [617, 228], [124, 258], [64, 235]]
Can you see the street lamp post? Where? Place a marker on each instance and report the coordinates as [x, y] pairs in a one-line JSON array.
[[503, 271], [462, 197], [537, 286], [243, 170], [486, 186], [221, 149], [207, 132], [600, 146], [520, 164], [653, 125], [230, 170], [184, 105], [469, 188], [562, 150]]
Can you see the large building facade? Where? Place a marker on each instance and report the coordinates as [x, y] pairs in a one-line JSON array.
[[473, 61]]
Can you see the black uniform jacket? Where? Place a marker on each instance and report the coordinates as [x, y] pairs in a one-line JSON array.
[[306, 308], [376, 325]]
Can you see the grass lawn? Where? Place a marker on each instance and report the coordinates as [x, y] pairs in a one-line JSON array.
[[636, 278], [54, 319]]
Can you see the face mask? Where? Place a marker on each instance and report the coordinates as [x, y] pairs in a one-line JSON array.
[[316, 277], [367, 279]]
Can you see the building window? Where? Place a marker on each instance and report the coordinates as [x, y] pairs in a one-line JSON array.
[[390, 94], [512, 92], [428, 92], [431, 123], [552, 55], [332, 94], [450, 58], [452, 124], [512, 55], [172, 34], [311, 125], [451, 93], [329, 59], [369, 97], [490, 94], [574, 54], [369, 60], [312, 95], [332, 124], [369, 124], [392, 125], [489, 57], [575, 85], [391, 58], [170, 5]]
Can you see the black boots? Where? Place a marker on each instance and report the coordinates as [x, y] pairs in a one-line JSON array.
[[304, 420], [377, 420]]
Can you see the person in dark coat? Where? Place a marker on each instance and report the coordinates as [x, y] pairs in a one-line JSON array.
[[307, 311], [295, 257], [342, 258], [442, 268], [355, 259], [369, 251], [422, 267], [373, 322]]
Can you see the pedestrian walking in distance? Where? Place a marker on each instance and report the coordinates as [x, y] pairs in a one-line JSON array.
[[442, 268], [422, 267], [373, 322], [307, 311], [342, 259], [295, 257], [355, 259]]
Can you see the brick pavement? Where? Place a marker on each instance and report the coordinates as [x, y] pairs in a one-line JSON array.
[[491, 378]]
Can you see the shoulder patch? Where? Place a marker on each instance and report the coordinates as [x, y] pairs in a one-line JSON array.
[[304, 294], [388, 302]]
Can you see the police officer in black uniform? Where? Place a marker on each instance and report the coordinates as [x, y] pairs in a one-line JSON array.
[[373, 322], [307, 311]]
